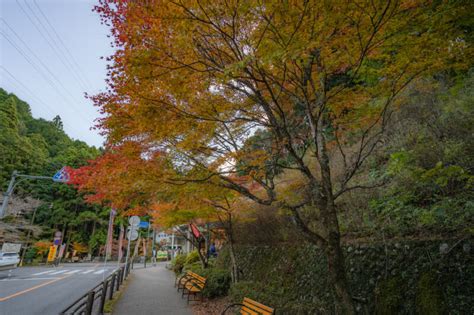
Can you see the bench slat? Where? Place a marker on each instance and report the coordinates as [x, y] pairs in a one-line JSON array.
[[257, 306], [249, 311]]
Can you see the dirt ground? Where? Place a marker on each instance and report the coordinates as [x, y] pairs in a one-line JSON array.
[[211, 307]]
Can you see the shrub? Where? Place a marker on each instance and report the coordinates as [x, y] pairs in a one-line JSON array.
[[177, 263], [192, 257], [269, 295], [217, 283]]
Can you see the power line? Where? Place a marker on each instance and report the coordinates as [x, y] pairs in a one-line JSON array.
[[63, 45], [48, 42], [48, 80], [35, 97], [57, 49], [34, 54]]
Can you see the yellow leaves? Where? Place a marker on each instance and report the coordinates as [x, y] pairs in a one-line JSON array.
[[80, 247]]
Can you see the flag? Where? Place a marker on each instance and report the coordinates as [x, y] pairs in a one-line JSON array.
[[195, 231]]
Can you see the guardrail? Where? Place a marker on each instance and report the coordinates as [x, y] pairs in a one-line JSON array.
[[93, 301]]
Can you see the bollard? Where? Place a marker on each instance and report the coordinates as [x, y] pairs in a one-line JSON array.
[[122, 270], [118, 280], [90, 303], [112, 287], [105, 284]]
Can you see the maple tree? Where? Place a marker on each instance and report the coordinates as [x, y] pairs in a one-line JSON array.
[[235, 94]]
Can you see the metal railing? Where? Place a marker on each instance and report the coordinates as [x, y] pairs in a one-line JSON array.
[[93, 301]]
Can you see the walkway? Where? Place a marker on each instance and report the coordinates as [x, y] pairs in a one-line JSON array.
[[151, 291]]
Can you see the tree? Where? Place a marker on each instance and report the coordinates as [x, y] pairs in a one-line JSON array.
[[57, 122], [321, 79]]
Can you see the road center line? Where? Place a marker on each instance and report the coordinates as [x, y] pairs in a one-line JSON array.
[[31, 289]]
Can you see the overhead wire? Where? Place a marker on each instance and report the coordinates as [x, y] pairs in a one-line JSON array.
[[63, 45], [66, 91], [38, 69], [48, 42], [35, 97], [52, 42], [32, 94]]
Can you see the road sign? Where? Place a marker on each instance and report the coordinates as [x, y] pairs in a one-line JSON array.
[[143, 225], [57, 238], [52, 252], [11, 248], [134, 221], [132, 234], [61, 176]]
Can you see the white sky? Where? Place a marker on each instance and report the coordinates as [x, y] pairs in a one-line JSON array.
[[55, 79]]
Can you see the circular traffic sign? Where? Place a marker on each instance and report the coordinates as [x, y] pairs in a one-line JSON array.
[[132, 235], [134, 221]]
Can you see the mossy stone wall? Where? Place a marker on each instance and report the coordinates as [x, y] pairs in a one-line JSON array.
[[409, 277]]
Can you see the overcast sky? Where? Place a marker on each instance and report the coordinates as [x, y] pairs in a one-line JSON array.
[[50, 55]]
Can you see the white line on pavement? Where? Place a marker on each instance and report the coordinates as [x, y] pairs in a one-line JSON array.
[[42, 273], [35, 279], [58, 272], [72, 271], [88, 271], [99, 272]]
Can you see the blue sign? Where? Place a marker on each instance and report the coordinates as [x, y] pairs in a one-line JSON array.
[[61, 176], [143, 224]]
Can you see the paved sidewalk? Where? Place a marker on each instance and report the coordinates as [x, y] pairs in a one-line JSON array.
[[151, 291]]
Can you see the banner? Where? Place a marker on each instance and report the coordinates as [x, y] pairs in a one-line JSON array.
[[52, 252], [195, 231], [61, 251]]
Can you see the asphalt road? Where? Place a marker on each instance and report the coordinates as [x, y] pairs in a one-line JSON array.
[[48, 290]]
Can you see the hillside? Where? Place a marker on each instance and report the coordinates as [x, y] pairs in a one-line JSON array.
[[37, 146]]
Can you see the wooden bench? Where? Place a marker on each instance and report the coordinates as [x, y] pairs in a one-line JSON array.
[[194, 286], [180, 281], [251, 307]]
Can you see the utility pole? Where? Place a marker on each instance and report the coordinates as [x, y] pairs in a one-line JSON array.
[[153, 254], [11, 187], [7, 194]]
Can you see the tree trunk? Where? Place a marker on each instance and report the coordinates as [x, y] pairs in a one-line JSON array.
[[92, 235], [337, 275], [233, 258], [335, 256]]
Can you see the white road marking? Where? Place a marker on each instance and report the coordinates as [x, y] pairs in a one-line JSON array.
[[28, 279], [99, 272], [42, 273], [72, 271], [58, 272], [88, 271]]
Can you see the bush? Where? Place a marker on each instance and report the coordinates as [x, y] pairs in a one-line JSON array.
[[217, 283], [273, 297], [177, 263], [192, 257]]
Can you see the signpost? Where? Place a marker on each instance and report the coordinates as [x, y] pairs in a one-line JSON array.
[[132, 234]]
